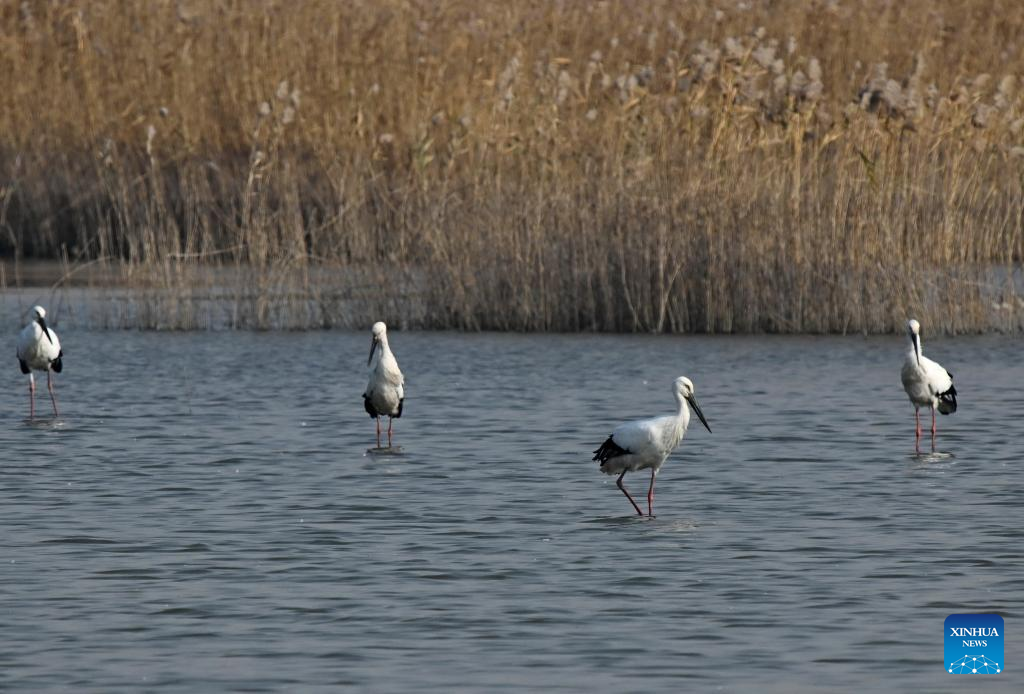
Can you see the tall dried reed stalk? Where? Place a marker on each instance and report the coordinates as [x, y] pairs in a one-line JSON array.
[[626, 166]]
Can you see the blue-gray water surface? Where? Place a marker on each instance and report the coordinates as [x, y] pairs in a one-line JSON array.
[[204, 516]]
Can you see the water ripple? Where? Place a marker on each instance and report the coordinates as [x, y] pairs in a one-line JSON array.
[[190, 525]]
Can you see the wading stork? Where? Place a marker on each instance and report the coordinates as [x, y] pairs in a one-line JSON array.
[[926, 382], [385, 391], [647, 443], [39, 350]]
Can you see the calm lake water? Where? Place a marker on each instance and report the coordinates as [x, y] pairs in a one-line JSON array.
[[204, 517]]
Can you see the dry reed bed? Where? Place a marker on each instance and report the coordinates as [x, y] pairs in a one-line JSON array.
[[651, 166]]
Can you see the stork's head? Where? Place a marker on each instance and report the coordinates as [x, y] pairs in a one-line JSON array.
[[379, 333], [684, 386], [914, 333], [39, 315], [685, 390]]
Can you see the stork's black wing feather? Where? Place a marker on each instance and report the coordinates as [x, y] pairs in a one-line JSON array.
[[608, 450], [370, 410], [947, 401]]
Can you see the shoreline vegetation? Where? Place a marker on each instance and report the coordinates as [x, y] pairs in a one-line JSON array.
[[699, 167]]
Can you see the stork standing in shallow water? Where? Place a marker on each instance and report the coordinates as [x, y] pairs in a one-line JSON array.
[[647, 443], [926, 382], [385, 391], [39, 350]]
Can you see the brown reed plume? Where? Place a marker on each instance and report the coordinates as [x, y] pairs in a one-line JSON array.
[[705, 166]]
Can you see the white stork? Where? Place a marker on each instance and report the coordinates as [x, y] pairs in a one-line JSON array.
[[39, 350], [926, 382], [385, 391], [646, 443]]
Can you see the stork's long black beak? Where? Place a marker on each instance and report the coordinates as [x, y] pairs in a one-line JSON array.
[[696, 408], [373, 346], [42, 324], [917, 348]]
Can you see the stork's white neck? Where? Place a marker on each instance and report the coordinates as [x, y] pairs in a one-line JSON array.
[[914, 349], [383, 353], [684, 412]]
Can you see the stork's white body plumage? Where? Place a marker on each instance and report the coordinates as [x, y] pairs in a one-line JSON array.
[[926, 382], [647, 443], [39, 349], [385, 390]]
